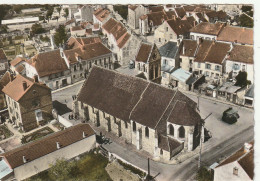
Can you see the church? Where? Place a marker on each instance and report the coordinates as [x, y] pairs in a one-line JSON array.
[[158, 120]]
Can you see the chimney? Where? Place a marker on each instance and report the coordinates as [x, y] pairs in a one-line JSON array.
[[84, 135], [183, 50], [247, 147], [35, 78], [24, 85], [24, 159], [58, 145]]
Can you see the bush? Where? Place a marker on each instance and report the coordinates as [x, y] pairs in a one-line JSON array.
[[245, 21], [132, 169], [204, 174], [122, 10]]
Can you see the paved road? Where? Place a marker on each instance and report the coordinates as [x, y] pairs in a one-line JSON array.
[[226, 139]]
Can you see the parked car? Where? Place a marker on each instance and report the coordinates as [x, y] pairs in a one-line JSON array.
[[132, 64], [230, 116]]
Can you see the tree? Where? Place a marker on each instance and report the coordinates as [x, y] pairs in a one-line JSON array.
[[49, 12], [122, 10], [60, 36], [66, 13], [4, 11], [204, 174], [241, 79], [62, 170], [246, 8], [37, 29], [246, 21]]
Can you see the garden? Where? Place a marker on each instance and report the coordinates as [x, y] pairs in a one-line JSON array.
[[5, 132], [36, 135]]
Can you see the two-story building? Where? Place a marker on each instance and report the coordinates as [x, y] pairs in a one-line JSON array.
[[148, 61], [134, 13], [153, 118], [29, 102], [101, 16]]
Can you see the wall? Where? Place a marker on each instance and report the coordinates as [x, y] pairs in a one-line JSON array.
[[185, 64], [195, 36], [42, 163]]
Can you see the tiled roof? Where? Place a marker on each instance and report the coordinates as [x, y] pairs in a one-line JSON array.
[[88, 31], [144, 52], [188, 116], [87, 52], [79, 42], [101, 14], [242, 53], [180, 27], [250, 92], [167, 143], [76, 28], [2, 55], [180, 12], [70, 22], [201, 17], [155, 8], [46, 145], [157, 18], [108, 26], [211, 51], [170, 49], [130, 98], [236, 34], [189, 8], [208, 28], [5, 79], [42, 62], [218, 14], [15, 89], [20, 68], [190, 47], [17, 60]]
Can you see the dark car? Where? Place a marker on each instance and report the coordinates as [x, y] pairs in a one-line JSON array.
[[230, 116]]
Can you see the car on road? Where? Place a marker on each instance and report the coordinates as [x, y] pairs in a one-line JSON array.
[[230, 116]]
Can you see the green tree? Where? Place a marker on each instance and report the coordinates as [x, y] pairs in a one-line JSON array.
[[246, 8], [204, 174], [37, 29], [62, 170], [122, 10], [241, 79], [246, 21], [49, 12], [4, 11], [66, 13], [60, 36]]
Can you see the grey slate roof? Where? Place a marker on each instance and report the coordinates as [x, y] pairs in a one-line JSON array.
[[169, 50], [250, 92]]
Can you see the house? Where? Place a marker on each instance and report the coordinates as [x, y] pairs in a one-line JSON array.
[[153, 118], [148, 61], [240, 58], [249, 97], [216, 16], [77, 31], [206, 30], [5, 79], [85, 13], [29, 102], [169, 60], [239, 166], [121, 42], [81, 59], [173, 29], [210, 57], [75, 42], [180, 12], [3, 62], [149, 22], [237, 35], [182, 79], [55, 76], [35, 157], [134, 13], [17, 63], [101, 16]]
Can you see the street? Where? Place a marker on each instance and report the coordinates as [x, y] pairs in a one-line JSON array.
[[226, 139]]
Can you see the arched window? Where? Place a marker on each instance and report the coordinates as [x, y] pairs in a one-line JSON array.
[[181, 132], [134, 126], [147, 131], [171, 130]]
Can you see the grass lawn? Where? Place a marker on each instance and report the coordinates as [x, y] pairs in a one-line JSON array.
[[37, 135], [90, 167], [5, 132]]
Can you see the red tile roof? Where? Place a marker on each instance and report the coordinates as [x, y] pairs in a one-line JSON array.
[[208, 28], [20, 68], [153, 9], [144, 52], [5, 79], [42, 61], [47, 145], [2, 55], [87, 52], [108, 26], [101, 14], [242, 53], [190, 47], [237, 34], [180, 12], [180, 27], [218, 14], [15, 89], [76, 28], [17, 60], [79, 42]]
